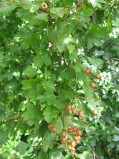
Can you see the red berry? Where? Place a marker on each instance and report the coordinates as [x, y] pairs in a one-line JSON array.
[[50, 126], [74, 128], [75, 138], [87, 71], [78, 141], [69, 107], [79, 132], [63, 134], [72, 144], [80, 4], [92, 85], [63, 141], [54, 130], [98, 76], [44, 6], [70, 130], [94, 112], [81, 113], [8, 118], [74, 110]]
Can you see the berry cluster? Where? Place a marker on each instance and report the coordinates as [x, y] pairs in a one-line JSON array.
[[70, 136], [52, 128], [73, 110], [97, 76]]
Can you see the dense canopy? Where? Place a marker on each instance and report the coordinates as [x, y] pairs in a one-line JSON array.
[[59, 85]]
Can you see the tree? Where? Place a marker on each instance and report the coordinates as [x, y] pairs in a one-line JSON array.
[[54, 88]]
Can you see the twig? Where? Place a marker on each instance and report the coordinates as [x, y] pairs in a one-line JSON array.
[[94, 154]]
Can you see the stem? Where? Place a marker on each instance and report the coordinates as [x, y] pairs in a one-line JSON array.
[[94, 154]]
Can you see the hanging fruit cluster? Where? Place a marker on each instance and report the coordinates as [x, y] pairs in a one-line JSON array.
[[71, 135], [97, 76]]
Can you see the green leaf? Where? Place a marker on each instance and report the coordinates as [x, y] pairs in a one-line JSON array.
[[73, 56], [42, 58], [6, 9], [59, 125], [56, 153], [42, 155], [60, 44], [3, 137], [27, 4], [36, 19], [38, 60], [47, 97], [1, 56], [70, 47], [50, 113], [40, 89], [46, 59], [84, 155], [47, 141], [95, 34], [68, 2], [30, 71], [42, 16], [97, 3], [34, 8], [85, 14], [58, 11], [29, 84], [58, 104], [22, 148], [32, 112], [96, 62], [49, 85], [116, 138], [77, 66]]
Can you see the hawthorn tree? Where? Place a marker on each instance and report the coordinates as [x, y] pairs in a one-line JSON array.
[[53, 86]]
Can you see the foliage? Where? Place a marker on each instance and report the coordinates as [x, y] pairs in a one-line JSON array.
[[50, 54]]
